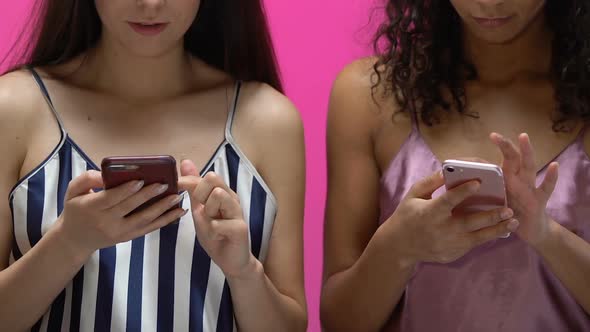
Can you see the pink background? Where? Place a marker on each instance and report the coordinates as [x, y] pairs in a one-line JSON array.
[[314, 40]]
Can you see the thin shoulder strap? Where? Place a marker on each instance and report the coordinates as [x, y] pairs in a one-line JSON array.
[[45, 93], [415, 121], [232, 111], [584, 130]]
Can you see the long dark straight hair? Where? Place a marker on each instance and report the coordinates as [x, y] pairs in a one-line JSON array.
[[231, 35]]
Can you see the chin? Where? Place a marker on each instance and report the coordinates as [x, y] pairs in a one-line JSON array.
[[499, 38]]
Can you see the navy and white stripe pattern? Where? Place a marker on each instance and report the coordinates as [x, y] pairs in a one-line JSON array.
[[163, 281]]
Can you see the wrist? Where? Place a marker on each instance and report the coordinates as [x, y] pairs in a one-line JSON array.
[[551, 236], [390, 242], [252, 270], [69, 245]]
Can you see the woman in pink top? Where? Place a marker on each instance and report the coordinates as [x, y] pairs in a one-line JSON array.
[[462, 79]]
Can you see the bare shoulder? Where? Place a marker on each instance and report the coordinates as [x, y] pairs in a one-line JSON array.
[[355, 86], [19, 107], [362, 106], [357, 77], [18, 95], [269, 130], [267, 114]]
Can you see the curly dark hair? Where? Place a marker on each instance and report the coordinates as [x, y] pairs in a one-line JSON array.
[[420, 53]]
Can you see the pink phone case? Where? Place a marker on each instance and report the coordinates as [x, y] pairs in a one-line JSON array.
[[492, 192]]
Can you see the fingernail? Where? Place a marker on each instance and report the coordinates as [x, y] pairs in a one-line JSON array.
[[137, 186], [177, 200], [177, 220], [513, 225], [474, 186], [162, 188], [506, 214]]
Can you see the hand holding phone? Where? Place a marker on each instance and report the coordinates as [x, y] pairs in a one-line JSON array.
[[492, 192], [95, 220], [427, 228]]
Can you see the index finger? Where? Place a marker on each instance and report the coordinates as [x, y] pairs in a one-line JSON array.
[[426, 187], [527, 156], [83, 183], [188, 183], [509, 151]]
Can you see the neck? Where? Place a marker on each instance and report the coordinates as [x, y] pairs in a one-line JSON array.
[[114, 70], [529, 54]]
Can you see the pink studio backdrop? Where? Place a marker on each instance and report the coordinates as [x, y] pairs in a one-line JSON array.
[[314, 40]]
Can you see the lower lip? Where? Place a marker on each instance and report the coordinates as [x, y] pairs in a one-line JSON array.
[[493, 23], [148, 30]]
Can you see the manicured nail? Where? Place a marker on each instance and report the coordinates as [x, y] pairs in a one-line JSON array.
[[177, 200], [180, 215], [161, 189], [137, 186]]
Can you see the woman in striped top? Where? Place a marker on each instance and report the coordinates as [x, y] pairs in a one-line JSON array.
[[120, 77]]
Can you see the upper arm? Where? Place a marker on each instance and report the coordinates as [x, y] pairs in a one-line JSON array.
[[274, 133], [15, 108], [357, 119]]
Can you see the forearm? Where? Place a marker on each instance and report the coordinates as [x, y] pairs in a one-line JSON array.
[[568, 257], [363, 297], [30, 285], [260, 306]]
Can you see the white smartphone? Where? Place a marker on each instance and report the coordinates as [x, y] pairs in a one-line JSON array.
[[492, 192]]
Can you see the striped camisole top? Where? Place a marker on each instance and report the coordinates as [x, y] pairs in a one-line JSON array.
[[163, 281]]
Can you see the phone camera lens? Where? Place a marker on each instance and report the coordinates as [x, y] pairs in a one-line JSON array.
[[450, 169]]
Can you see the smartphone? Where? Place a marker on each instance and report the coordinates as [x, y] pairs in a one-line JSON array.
[[151, 169], [492, 192]]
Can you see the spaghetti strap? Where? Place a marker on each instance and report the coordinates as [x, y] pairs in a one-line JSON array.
[[232, 111], [415, 121], [584, 130], [47, 97]]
